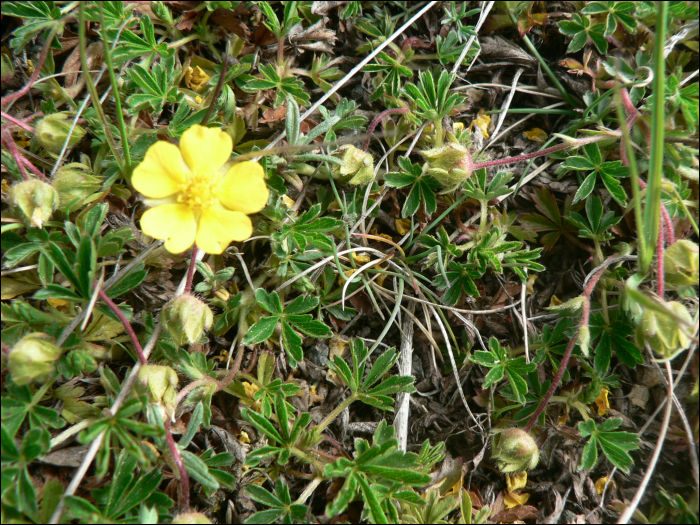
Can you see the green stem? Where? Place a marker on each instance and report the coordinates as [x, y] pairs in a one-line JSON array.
[[183, 41], [439, 219], [311, 461], [334, 414], [93, 90], [438, 132], [484, 214], [115, 91], [545, 67], [653, 196]]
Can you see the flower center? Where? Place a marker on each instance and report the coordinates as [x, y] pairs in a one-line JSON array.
[[197, 192]]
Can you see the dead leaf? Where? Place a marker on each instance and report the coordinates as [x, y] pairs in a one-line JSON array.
[[515, 499], [639, 396], [274, 115], [516, 514], [11, 287], [403, 226], [602, 402], [482, 121], [516, 480], [362, 259], [600, 484], [66, 457], [536, 135]]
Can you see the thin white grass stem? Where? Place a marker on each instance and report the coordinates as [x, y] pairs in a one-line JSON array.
[[403, 400], [354, 71], [506, 105], [482, 18], [523, 297], [118, 402], [629, 511], [454, 366]]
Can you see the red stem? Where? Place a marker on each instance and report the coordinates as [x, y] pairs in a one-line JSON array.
[[9, 143], [569, 350], [34, 169], [184, 478], [126, 323], [190, 272], [378, 119], [670, 235], [35, 75], [19, 123], [660, 262]]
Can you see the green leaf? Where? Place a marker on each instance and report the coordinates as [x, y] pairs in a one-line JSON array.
[[261, 330], [586, 188], [613, 444]]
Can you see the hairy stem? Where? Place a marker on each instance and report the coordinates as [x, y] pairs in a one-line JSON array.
[[37, 70], [378, 119], [569, 350], [127, 325], [184, 478], [334, 413], [542, 153]]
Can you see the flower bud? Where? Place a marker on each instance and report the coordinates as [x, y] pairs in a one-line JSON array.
[[450, 164], [186, 318], [662, 331], [35, 199], [681, 263], [515, 450], [52, 131], [357, 168], [158, 384], [584, 338], [33, 358], [191, 518], [74, 183]]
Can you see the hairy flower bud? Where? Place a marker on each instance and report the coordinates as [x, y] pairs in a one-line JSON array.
[[186, 318], [663, 332], [74, 183], [158, 384], [515, 450], [357, 168], [52, 131], [681, 263], [35, 199], [33, 358], [191, 518], [450, 164]]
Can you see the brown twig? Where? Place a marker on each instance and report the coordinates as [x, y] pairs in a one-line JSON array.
[[190, 271]]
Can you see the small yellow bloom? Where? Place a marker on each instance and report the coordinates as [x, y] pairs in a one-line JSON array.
[[196, 195]]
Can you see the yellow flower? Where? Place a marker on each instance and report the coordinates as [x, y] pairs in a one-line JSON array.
[[196, 194]]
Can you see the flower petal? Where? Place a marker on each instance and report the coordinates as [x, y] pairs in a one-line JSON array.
[[174, 223], [161, 172], [205, 150], [243, 188], [219, 226]]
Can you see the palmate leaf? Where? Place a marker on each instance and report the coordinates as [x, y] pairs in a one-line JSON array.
[[382, 461], [613, 444], [460, 280], [364, 389], [423, 187], [502, 365]]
